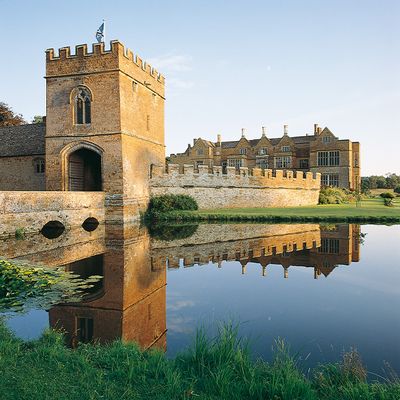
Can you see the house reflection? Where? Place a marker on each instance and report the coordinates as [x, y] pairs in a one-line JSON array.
[[129, 303], [322, 248]]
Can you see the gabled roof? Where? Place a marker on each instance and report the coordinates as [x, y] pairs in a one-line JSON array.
[[206, 142], [22, 140]]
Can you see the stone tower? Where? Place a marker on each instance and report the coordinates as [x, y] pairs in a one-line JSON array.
[[105, 125]]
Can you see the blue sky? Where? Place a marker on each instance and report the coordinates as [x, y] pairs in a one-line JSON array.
[[233, 64]]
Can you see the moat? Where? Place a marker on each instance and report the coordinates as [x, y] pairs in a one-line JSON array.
[[322, 288]]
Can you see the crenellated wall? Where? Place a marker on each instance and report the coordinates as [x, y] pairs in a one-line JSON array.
[[236, 189]]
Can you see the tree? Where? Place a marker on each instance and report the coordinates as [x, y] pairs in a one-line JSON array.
[[37, 119], [8, 117], [381, 182], [392, 180], [365, 184]]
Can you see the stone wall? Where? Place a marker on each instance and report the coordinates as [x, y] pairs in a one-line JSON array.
[[18, 173], [236, 189], [32, 210]]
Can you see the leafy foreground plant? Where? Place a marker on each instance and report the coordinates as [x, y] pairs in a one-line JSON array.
[[24, 287], [211, 369]]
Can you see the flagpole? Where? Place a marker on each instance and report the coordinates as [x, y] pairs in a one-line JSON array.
[[104, 31]]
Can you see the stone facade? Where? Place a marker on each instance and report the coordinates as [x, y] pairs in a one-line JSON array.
[[237, 189], [22, 152], [32, 210], [337, 160], [126, 127]]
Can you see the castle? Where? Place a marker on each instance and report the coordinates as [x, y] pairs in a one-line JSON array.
[[101, 148], [337, 160]]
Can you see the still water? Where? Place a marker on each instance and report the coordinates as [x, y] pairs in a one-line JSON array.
[[323, 288]]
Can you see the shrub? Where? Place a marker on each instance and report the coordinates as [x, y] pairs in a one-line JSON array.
[[332, 195], [171, 202], [397, 190], [388, 202], [387, 195]]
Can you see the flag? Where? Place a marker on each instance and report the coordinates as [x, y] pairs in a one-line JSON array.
[[100, 33]]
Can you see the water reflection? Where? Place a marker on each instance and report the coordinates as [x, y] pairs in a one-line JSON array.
[[129, 303]]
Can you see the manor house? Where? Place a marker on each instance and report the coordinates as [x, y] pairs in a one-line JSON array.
[[337, 160]]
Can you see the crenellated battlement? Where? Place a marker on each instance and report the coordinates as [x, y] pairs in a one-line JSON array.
[[251, 177], [117, 52], [237, 188]]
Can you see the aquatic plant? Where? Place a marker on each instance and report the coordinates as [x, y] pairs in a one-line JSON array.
[[24, 287]]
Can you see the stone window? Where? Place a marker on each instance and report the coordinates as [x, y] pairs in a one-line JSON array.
[[285, 149], [326, 139], [263, 151], [330, 180], [148, 122], [328, 158], [303, 164], [330, 246], [243, 151], [262, 163], [356, 159], [283, 162], [135, 87], [39, 165], [237, 163], [200, 152], [82, 106]]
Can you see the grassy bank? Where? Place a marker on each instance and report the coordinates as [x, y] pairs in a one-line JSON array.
[[368, 211], [219, 369]]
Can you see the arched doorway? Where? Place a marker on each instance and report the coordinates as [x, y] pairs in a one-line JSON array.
[[84, 171]]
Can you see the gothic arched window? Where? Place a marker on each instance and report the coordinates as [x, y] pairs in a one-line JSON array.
[[82, 106]]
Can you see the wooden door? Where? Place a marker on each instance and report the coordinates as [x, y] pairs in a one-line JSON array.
[[76, 170]]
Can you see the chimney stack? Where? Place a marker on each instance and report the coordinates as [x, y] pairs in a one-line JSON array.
[[263, 129], [219, 139], [285, 129], [243, 130], [315, 129]]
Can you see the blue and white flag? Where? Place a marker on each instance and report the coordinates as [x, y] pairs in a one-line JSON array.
[[100, 33]]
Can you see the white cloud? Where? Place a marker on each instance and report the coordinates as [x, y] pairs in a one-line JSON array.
[[172, 63], [174, 67], [179, 83]]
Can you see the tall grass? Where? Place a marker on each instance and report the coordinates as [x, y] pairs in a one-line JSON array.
[[219, 368]]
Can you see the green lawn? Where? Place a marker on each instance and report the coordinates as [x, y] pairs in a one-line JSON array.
[[372, 210]]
